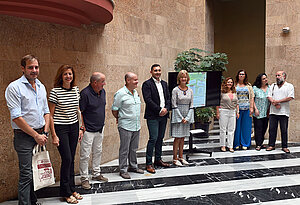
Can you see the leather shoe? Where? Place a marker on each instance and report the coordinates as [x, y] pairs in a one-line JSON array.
[[270, 148], [286, 150], [125, 175], [150, 169], [160, 163]]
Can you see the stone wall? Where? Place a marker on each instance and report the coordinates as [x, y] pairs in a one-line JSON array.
[[283, 51], [142, 32]]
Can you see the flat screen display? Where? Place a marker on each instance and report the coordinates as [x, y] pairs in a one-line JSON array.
[[206, 87]]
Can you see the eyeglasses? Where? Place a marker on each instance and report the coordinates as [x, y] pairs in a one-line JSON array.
[[242, 74]]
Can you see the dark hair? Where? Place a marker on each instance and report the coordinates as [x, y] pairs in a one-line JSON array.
[[155, 65], [224, 88], [245, 79], [58, 81], [29, 57], [257, 82]]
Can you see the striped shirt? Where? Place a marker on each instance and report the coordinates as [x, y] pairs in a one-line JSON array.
[[67, 103]]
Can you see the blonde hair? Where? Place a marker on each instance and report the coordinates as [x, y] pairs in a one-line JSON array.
[[180, 74]]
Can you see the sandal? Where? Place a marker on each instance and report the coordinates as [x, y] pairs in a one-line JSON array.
[[223, 149], [258, 148], [71, 200], [77, 196], [231, 150], [183, 161]]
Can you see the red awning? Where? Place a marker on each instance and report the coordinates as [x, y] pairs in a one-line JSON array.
[[67, 12]]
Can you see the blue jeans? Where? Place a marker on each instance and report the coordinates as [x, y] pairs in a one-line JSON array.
[[242, 134], [24, 144], [157, 130], [284, 121]]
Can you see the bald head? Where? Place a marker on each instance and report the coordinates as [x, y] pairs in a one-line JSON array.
[[131, 81], [96, 76], [97, 81]]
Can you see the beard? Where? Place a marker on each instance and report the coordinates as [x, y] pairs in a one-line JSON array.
[[279, 81]]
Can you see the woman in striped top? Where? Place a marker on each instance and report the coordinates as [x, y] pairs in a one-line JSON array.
[[64, 125]]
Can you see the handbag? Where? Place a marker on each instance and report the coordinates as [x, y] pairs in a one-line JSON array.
[[42, 171]]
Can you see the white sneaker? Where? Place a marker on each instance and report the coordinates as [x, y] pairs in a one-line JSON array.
[[183, 161], [177, 163]]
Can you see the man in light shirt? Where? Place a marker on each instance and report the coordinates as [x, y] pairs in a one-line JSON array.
[[126, 109], [26, 99], [279, 95], [157, 98]]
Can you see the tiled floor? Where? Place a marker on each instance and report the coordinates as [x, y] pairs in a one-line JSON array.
[[242, 177]]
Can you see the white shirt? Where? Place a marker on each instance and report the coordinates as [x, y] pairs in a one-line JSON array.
[[160, 92], [286, 90]]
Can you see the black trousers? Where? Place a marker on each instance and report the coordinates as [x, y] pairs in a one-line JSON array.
[[283, 120], [68, 138], [260, 128]]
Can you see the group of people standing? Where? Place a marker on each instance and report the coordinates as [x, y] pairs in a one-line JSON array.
[[264, 103], [75, 116]]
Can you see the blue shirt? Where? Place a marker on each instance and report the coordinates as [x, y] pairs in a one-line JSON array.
[[92, 107], [23, 101], [261, 101], [129, 107]]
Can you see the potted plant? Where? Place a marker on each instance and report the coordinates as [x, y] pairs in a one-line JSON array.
[[193, 60], [203, 118]]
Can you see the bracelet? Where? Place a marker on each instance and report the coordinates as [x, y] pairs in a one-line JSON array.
[[81, 128]]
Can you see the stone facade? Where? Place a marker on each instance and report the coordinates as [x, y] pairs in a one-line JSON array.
[[283, 51], [142, 32]]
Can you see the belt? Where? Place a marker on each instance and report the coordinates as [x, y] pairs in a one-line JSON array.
[[39, 130]]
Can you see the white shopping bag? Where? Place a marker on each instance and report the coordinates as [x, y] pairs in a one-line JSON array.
[[43, 174]]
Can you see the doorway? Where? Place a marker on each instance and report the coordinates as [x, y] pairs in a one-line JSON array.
[[239, 31]]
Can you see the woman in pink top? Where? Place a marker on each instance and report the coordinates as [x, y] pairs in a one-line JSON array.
[[227, 113]]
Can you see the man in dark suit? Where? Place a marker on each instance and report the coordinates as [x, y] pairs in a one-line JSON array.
[[157, 98]]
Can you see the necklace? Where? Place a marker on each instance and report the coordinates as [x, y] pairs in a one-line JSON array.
[[184, 91]]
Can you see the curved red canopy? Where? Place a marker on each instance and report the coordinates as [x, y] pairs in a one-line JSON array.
[[66, 12]]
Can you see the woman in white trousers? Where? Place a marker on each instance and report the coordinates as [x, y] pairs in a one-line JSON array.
[[227, 113]]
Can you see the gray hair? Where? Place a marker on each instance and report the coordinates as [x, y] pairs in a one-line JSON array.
[[96, 77], [284, 74], [128, 76]]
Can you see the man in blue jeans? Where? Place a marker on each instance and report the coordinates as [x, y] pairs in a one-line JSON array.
[[157, 98], [280, 94], [26, 99]]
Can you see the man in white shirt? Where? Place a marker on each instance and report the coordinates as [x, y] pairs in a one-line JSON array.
[[279, 95]]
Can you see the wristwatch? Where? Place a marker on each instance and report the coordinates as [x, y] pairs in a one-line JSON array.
[[81, 128]]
